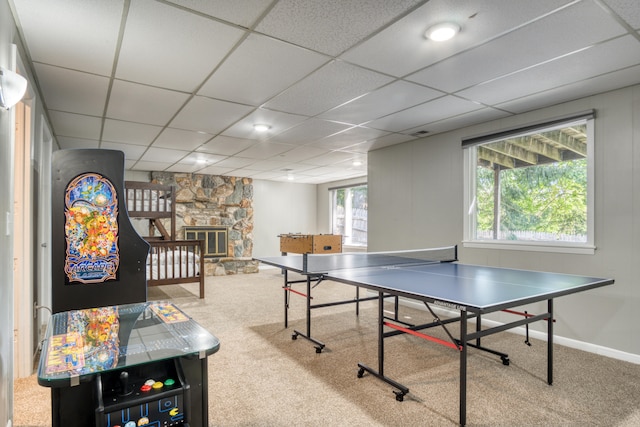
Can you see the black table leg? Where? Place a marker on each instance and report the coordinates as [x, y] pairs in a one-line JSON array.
[[550, 342], [463, 367]]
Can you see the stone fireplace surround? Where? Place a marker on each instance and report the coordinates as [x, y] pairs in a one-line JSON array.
[[212, 200]]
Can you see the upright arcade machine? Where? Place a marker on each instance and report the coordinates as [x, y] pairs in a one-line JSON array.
[[110, 357]]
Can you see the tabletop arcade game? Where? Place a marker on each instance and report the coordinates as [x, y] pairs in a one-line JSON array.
[[132, 364], [110, 357]]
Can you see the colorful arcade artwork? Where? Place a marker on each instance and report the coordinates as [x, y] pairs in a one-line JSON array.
[[91, 230], [90, 343]]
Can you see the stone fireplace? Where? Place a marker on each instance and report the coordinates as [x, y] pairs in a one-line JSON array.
[[206, 201]]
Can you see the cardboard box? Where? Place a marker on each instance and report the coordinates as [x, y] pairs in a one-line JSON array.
[[311, 244]]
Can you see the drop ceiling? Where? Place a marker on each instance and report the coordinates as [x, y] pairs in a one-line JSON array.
[[178, 85]]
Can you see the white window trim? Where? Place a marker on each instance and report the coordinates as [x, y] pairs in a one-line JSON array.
[[587, 248]]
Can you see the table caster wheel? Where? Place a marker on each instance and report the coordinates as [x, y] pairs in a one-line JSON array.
[[399, 395]]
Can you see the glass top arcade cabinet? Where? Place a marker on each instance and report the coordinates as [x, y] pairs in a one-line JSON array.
[[110, 357]]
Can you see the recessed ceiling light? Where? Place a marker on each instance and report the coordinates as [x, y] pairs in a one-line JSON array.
[[259, 127], [442, 32], [357, 163]]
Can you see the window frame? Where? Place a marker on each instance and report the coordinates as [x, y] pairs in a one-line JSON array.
[[332, 205], [470, 165]]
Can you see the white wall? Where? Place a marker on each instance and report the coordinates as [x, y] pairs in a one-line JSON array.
[[39, 155], [416, 200], [281, 207], [7, 33]]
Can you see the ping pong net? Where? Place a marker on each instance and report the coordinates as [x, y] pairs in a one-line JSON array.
[[324, 263]]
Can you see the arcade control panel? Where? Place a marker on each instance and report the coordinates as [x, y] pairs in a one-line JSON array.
[[154, 395]]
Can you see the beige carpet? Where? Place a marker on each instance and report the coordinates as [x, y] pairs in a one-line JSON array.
[[261, 377]]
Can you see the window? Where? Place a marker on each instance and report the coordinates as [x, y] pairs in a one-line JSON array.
[[532, 187], [349, 214]]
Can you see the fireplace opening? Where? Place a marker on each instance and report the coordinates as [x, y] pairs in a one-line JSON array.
[[215, 239]]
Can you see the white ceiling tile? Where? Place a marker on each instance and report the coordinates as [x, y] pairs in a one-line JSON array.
[[463, 120], [131, 152], [503, 55], [235, 162], [217, 170], [426, 113], [75, 125], [143, 104], [131, 133], [309, 131], [385, 141], [209, 115], [352, 136], [68, 142], [506, 48], [243, 12], [88, 42], [334, 84], [348, 168], [196, 45], [244, 172], [163, 155], [225, 145], [296, 168], [628, 10], [278, 122], [203, 159], [72, 91], [181, 139], [331, 158], [266, 175], [603, 83], [479, 21], [151, 166], [324, 171], [389, 99], [328, 26], [184, 168], [303, 153], [195, 162], [260, 68], [264, 150], [315, 171], [269, 165], [580, 65]]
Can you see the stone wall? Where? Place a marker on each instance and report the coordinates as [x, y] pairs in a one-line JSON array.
[[205, 200]]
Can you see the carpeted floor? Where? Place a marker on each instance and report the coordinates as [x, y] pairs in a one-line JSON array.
[[261, 377]]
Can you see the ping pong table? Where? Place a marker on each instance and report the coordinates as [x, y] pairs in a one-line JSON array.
[[436, 278]]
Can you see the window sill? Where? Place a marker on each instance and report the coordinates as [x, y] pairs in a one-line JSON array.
[[567, 248], [354, 248]]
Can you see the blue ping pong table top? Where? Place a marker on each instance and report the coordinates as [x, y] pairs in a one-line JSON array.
[[455, 285]]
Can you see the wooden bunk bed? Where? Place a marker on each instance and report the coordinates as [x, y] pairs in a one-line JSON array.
[[170, 261]]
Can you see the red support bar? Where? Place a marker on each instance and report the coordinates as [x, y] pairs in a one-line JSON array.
[[286, 288], [424, 336], [519, 313]]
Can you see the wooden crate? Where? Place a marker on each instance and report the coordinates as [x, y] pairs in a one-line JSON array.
[[311, 244]]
